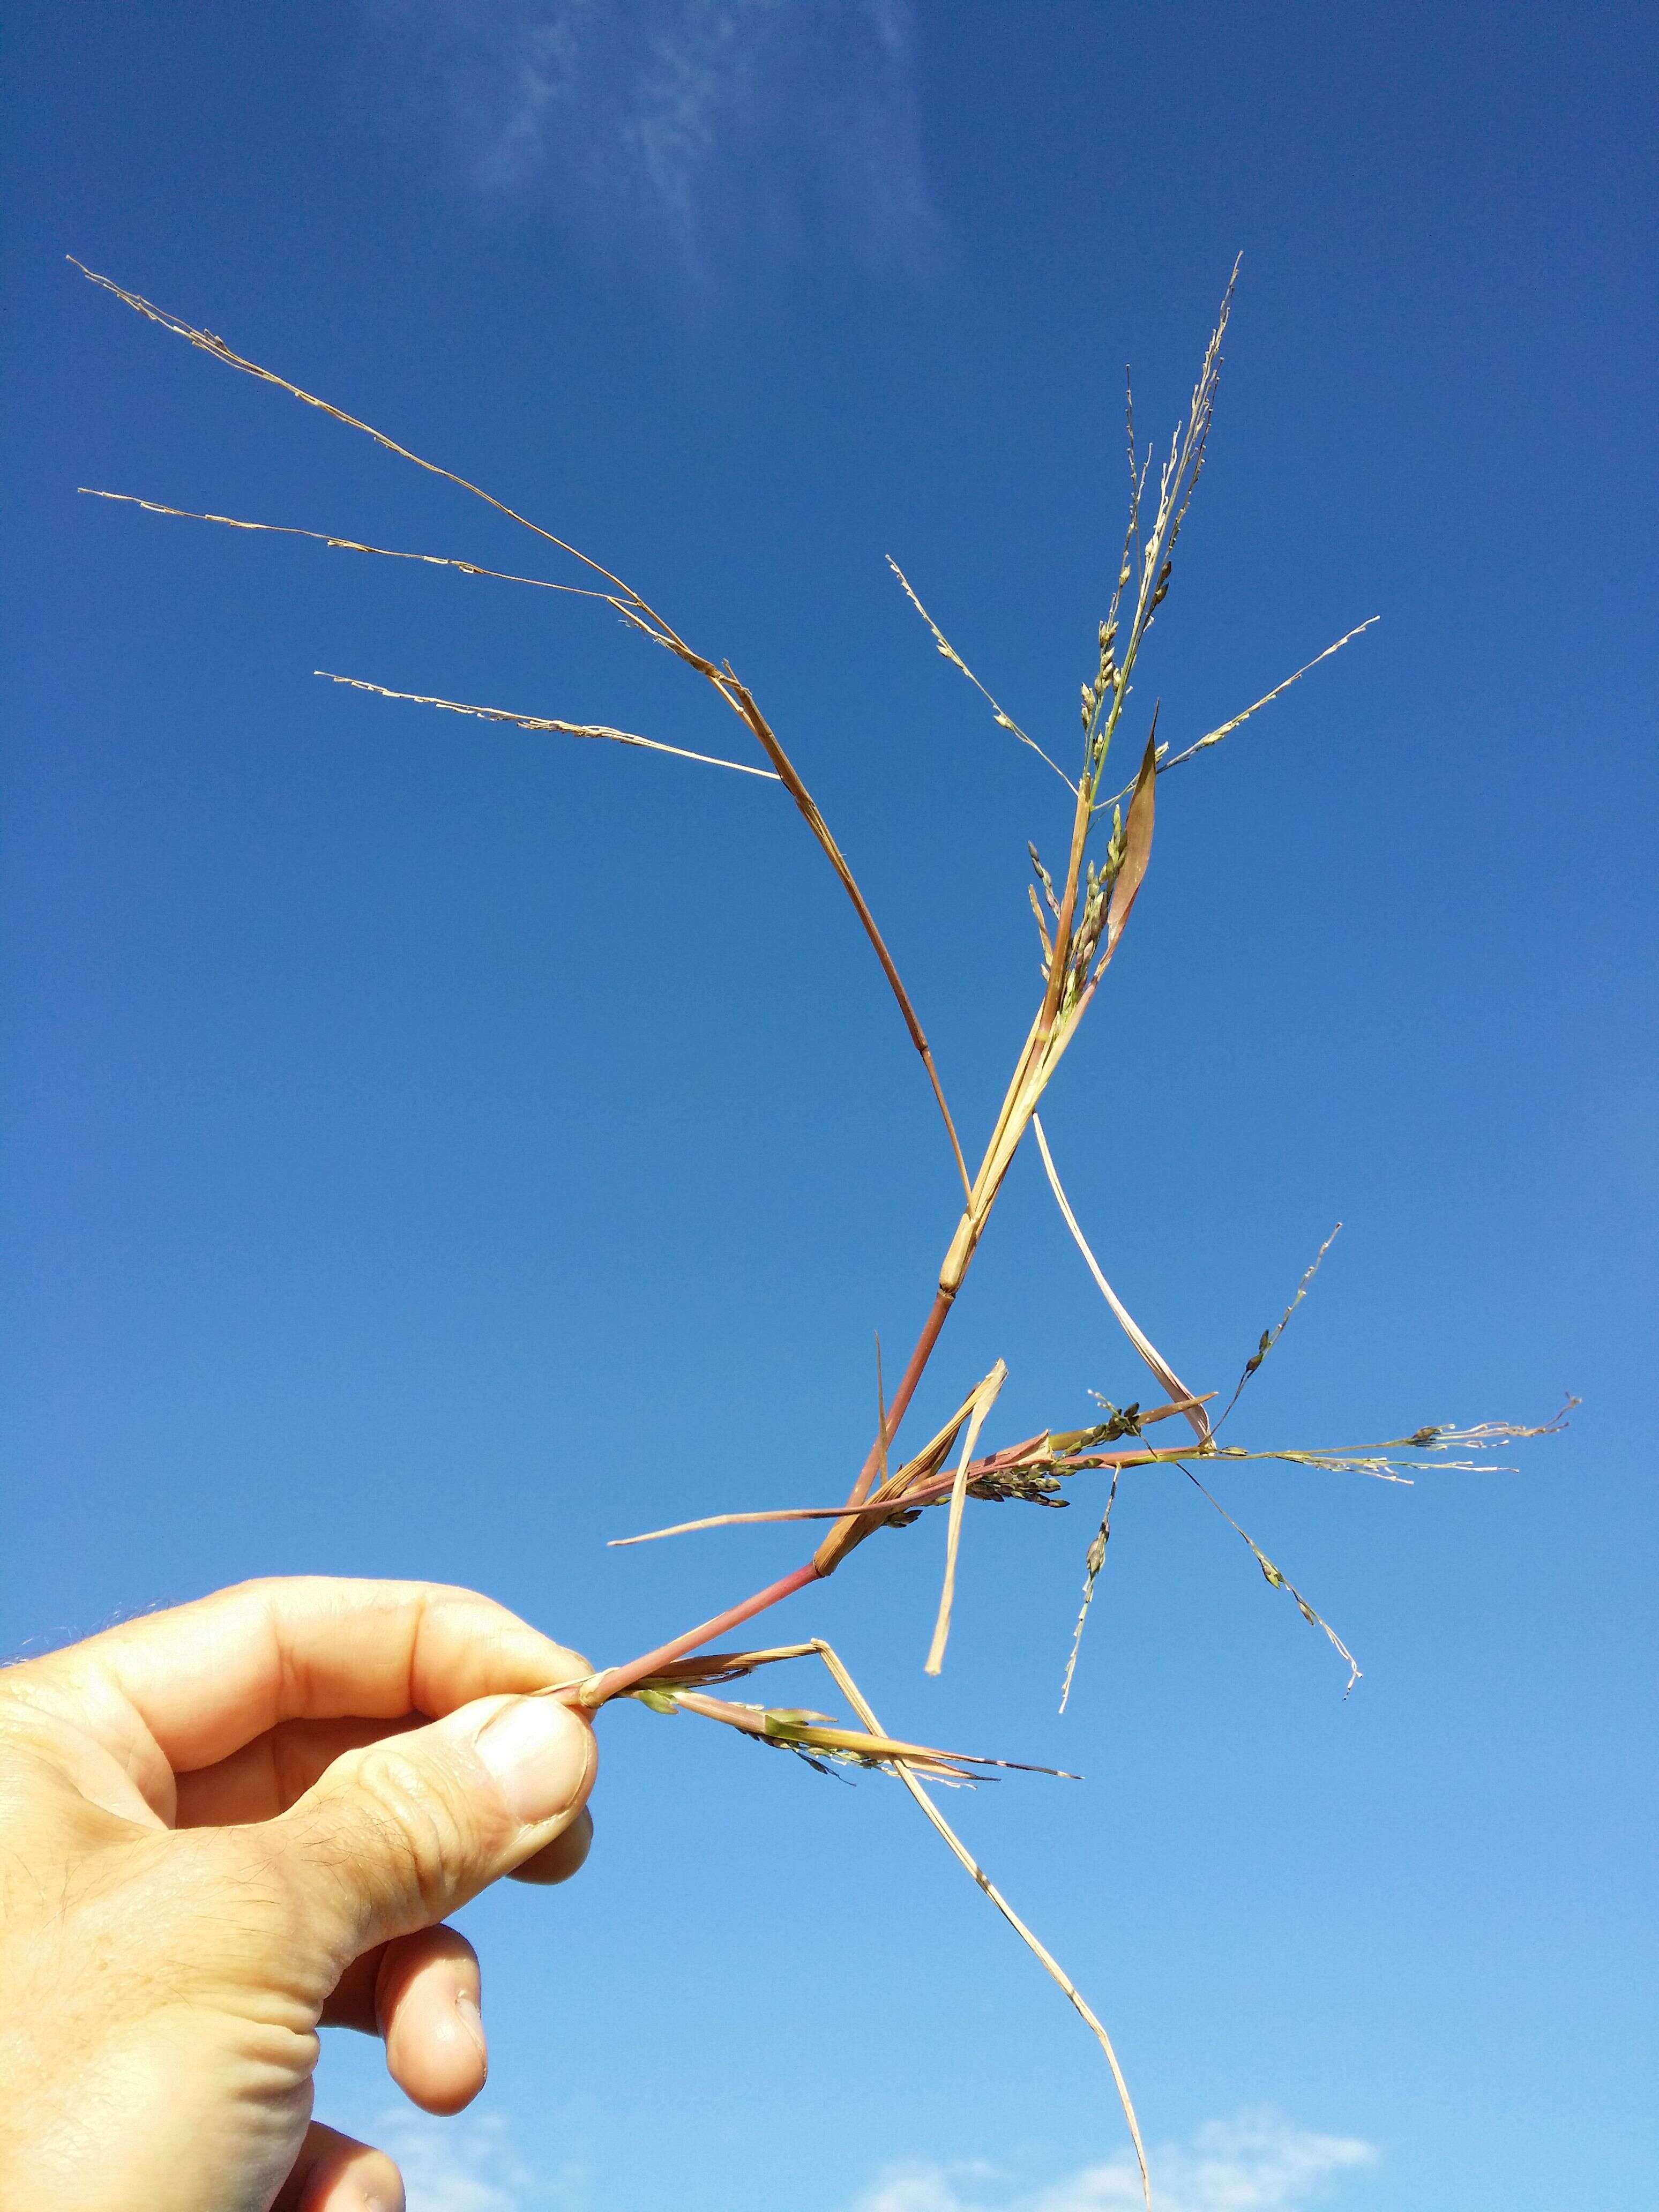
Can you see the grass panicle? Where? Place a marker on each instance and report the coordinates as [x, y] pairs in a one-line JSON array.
[[1082, 915]]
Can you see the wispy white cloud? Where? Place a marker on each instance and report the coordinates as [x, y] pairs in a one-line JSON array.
[[1255, 2163], [470, 2165], [915, 2189], [684, 119]]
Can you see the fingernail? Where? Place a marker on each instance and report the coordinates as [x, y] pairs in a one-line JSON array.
[[466, 2005], [539, 1755]]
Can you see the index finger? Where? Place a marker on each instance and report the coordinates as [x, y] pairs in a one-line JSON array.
[[208, 1677]]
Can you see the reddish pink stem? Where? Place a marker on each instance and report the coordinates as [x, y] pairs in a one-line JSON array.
[[612, 1681], [906, 1391]]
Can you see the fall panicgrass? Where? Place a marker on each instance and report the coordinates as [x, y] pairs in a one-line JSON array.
[[1084, 910]]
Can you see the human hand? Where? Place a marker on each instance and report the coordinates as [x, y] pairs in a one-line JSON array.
[[224, 1826]]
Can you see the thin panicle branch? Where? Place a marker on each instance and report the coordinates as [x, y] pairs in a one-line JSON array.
[[1094, 1561], [1271, 1336], [351, 544], [1138, 469], [544, 722], [1004, 721], [1276, 1580], [1214, 737]]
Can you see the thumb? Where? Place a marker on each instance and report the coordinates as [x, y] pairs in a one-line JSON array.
[[399, 1834]]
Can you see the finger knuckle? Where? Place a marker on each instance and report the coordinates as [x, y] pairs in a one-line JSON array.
[[428, 1842]]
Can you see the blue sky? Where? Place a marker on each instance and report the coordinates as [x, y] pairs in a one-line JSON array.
[[433, 1149]]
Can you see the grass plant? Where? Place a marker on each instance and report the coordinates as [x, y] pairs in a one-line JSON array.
[[1082, 910]]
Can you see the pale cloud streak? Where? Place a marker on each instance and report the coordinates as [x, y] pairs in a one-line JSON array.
[[1255, 2163], [471, 2165], [682, 119]]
